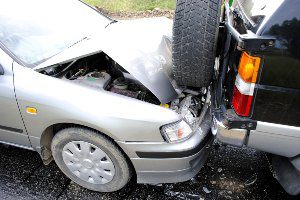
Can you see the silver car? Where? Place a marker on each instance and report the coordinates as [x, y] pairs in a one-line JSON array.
[[98, 95]]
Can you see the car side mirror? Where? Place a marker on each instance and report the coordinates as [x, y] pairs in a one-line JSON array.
[[1, 70]]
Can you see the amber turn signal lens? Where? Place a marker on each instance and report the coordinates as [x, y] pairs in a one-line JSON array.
[[249, 67], [31, 110]]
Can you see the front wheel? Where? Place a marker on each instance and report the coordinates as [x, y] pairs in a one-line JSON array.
[[90, 159]]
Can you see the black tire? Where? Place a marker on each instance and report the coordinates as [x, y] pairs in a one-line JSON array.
[[195, 35], [122, 168], [286, 174]]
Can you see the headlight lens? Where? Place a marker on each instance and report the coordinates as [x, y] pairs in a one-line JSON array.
[[176, 131]]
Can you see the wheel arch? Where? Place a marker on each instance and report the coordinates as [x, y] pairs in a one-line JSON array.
[[48, 134]]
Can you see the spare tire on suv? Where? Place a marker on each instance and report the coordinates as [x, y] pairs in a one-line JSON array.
[[195, 33]]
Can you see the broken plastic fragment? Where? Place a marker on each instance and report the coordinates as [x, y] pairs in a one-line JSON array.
[[171, 193], [193, 180], [192, 196], [207, 191], [222, 176], [251, 180]]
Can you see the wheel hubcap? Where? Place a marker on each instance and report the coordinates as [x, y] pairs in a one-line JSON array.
[[88, 162]]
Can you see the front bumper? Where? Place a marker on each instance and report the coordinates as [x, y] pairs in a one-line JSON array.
[[170, 162]]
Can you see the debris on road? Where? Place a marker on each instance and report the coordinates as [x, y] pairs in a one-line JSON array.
[[23, 176], [207, 191], [251, 180]]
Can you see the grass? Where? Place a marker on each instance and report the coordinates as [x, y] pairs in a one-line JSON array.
[[132, 5]]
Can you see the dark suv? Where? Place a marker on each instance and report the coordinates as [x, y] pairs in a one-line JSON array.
[[255, 81]]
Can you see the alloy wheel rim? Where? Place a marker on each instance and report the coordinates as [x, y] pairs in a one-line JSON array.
[[88, 162]]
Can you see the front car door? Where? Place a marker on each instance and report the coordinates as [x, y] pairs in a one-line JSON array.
[[12, 130]]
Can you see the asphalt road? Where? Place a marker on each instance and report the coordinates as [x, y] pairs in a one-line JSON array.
[[230, 173]]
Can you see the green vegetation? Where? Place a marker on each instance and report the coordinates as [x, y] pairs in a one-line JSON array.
[[132, 5]]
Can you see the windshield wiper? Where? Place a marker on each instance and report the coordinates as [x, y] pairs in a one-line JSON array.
[[112, 22]]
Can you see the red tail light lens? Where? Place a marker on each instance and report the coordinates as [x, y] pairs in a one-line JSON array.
[[245, 83], [241, 103]]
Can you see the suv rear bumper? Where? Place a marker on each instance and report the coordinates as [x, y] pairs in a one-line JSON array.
[[236, 137], [230, 128]]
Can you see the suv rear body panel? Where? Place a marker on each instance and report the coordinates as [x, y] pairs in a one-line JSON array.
[[278, 90]]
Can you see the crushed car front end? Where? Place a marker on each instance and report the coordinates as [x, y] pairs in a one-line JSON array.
[[172, 161]]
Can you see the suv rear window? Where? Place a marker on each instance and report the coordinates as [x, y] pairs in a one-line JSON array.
[[255, 11]]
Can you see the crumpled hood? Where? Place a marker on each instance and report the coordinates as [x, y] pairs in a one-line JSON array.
[[142, 47]]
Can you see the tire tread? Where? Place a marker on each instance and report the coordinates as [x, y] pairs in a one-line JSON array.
[[195, 34]]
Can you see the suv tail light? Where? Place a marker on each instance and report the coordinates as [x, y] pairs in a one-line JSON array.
[[245, 84]]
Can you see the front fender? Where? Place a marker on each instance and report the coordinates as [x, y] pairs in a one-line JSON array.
[[60, 101]]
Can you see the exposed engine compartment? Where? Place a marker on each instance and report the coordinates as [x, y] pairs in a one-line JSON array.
[[100, 72]]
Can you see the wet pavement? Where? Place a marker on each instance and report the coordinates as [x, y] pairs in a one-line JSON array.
[[230, 173]]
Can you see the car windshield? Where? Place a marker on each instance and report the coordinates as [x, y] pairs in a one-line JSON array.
[[256, 10], [35, 30]]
